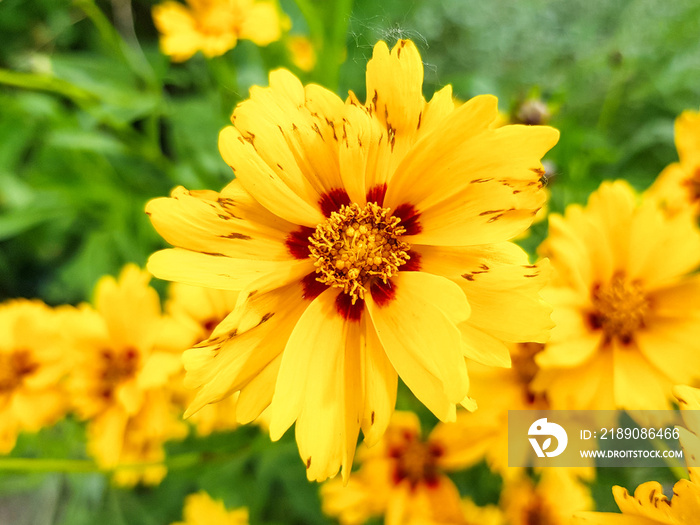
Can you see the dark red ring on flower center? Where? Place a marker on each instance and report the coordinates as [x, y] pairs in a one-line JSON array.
[[312, 287], [347, 310], [409, 216], [333, 201], [382, 293], [297, 242], [376, 194]]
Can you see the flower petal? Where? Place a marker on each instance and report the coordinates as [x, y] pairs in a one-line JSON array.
[[637, 385], [422, 343], [210, 223], [257, 332], [380, 383], [225, 273], [319, 385]]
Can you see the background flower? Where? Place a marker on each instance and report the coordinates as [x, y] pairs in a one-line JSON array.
[[626, 321]]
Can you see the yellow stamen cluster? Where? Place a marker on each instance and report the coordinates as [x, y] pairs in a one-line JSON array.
[[620, 308], [13, 367], [417, 461], [355, 244], [118, 366]]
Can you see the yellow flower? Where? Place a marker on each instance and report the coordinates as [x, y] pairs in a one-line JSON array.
[[484, 432], [403, 478], [649, 505], [200, 509], [301, 52], [368, 242], [551, 501], [132, 444], [125, 353], [678, 185], [31, 366], [215, 26], [625, 304]]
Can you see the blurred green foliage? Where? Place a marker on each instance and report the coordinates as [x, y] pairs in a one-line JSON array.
[[94, 122]]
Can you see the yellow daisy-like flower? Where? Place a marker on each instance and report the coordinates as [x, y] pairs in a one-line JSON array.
[[484, 432], [32, 365], [215, 26], [402, 478], [649, 505], [553, 500], [201, 509], [125, 354], [368, 242], [132, 445], [625, 304], [678, 185], [301, 52]]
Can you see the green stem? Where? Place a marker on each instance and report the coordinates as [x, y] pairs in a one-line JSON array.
[[225, 78], [132, 56], [47, 83], [180, 461]]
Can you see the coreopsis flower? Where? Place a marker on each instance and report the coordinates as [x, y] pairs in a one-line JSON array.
[[625, 304], [369, 241], [201, 509], [301, 52], [215, 26], [132, 445], [484, 432], [649, 505], [125, 354], [32, 365], [403, 478], [678, 186], [552, 500]]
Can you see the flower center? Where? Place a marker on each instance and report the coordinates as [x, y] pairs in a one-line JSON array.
[[619, 308], [117, 367], [355, 245], [14, 366], [416, 460], [692, 184]]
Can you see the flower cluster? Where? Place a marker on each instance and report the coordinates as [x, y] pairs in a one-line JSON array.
[[364, 246]]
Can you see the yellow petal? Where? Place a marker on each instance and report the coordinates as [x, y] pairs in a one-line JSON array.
[[394, 85], [423, 345], [261, 24], [483, 347], [329, 422], [159, 366], [637, 385], [256, 396], [380, 380], [653, 236], [318, 385], [225, 273], [673, 347], [608, 518], [230, 360], [130, 308], [208, 223]]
